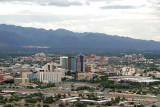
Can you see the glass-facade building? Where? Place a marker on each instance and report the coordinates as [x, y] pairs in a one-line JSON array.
[[72, 63], [80, 63]]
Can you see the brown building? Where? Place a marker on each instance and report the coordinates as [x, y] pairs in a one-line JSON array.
[[89, 67], [72, 63], [69, 63], [1, 77]]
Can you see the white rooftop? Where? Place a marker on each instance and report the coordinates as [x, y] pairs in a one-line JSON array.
[[71, 98]]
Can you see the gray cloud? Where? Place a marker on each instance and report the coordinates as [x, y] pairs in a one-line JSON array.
[[104, 0], [49, 2], [64, 3], [118, 7], [158, 8], [107, 1]]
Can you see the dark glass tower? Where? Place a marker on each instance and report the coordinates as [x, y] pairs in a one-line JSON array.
[[80, 63]]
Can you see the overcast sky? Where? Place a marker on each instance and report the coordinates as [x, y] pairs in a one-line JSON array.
[[130, 18]]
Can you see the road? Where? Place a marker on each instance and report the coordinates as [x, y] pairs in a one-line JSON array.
[[75, 93]]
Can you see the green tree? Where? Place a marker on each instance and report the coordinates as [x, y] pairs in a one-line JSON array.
[[91, 103], [38, 105], [121, 104], [46, 105], [123, 98], [11, 100], [117, 99], [9, 105], [1, 97], [80, 95], [58, 96], [31, 100], [79, 104], [26, 104], [72, 85], [109, 103], [49, 100], [64, 96], [69, 73], [11, 81], [131, 103], [61, 105]]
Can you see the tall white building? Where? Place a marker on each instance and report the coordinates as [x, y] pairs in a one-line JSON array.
[[51, 72], [53, 77], [64, 62]]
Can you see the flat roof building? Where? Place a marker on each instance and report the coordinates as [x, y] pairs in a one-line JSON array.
[[18, 81]]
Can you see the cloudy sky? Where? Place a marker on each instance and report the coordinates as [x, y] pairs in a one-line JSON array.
[[131, 18]]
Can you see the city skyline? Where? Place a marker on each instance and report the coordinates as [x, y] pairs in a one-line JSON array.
[[130, 18]]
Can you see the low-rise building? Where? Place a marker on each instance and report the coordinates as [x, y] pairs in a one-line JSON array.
[[18, 81], [85, 76], [90, 67], [128, 71], [4, 77]]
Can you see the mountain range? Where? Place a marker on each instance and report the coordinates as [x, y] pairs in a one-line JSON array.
[[28, 37]]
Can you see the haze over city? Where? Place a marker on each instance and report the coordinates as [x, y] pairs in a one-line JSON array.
[[130, 18]]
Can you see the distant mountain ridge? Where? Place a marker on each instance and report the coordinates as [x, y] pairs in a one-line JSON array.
[[16, 36]]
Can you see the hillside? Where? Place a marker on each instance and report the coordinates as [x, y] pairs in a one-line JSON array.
[[16, 36]]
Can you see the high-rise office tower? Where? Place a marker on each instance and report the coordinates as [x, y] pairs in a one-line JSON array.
[[80, 63], [72, 63], [64, 62]]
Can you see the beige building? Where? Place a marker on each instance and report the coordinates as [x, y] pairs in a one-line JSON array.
[[24, 72], [19, 81], [85, 76], [128, 71], [51, 67]]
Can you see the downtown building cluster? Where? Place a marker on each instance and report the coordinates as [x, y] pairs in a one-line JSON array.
[[54, 72], [86, 67]]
